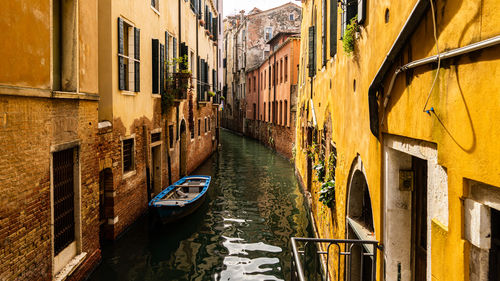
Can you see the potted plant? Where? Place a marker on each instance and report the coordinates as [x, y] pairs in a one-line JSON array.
[[202, 22], [327, 194]]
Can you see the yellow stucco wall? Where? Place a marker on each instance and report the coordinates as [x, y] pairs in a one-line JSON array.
[[129, 106], [465, 99]]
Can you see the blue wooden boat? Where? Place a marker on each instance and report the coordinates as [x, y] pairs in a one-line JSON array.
[[181, 199]]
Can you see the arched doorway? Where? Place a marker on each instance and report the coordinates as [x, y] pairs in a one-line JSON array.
[[183, 150], [359, 223]]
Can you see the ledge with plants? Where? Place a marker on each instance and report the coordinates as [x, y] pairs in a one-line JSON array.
[[177, 84], [350, 34]]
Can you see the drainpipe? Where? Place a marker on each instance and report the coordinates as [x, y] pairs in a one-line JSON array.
[[374, 91], [434, 59]]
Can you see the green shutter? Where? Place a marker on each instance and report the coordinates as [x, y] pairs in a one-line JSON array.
[[121, 60]]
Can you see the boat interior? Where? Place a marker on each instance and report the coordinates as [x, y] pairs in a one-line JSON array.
[[184, 192]]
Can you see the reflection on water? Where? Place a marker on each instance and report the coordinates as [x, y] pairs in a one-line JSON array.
[[241, 232]]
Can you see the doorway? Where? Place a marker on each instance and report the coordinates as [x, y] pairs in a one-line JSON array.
[[156, 158], [183, 150], [419, 219], [105, 186], [494, 266]]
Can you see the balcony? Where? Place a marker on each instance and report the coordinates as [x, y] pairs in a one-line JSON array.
[[178, 85], [355, 260]]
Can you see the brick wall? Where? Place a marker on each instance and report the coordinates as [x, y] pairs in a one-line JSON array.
[[30, 126], [279, 138]]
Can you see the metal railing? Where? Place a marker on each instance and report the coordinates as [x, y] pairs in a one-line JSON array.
[[356, 260]]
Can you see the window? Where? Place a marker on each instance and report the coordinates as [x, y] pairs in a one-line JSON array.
[[171, 135], [264, 112], [199, 127], [285, 122], [64, 199], [64, 63], [206, 125], [292, 17], [128, 155], [209, 120], [280, 121], [286, 69], [268, 33], [352, 9], [128, 57], [156, 137], [254, 111], [155, 4], [281, 71]]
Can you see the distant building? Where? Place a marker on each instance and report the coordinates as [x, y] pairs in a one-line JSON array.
[[272, 94], [247, 37]]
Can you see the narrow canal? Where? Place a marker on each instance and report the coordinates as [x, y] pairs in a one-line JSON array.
[[242, 232]]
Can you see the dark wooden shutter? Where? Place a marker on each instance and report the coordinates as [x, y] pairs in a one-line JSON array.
[[361, 11], [333, 27], [155, 64], [312, 51], [214, 83], [121, 60], [206, 17], [137, 56], [215, 29], [167, 43], [174, 53], [323, 33], [210, 27], [120, 36], [198, 76], [162, 69]]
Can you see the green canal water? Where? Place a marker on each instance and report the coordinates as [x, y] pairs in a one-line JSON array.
[[241, 232]]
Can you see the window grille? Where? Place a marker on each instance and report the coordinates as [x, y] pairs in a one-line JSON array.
[[128, 155], [64, 199]]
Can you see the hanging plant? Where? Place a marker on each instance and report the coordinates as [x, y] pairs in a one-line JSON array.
[[327, 194], [320, 171], [349, 38]]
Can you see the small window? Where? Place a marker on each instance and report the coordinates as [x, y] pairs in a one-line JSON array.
[[206, 125], [209, 124], [285, 111], [268, 33], [156, 137], [292, 17], [128, 155], [171, 135], [155, 4], [199, 127]]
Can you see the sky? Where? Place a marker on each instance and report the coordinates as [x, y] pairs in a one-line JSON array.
[[231, 7]]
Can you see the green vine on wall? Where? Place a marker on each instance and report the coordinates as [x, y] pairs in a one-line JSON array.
[[174, 89]]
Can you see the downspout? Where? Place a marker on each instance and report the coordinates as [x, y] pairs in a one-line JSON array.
[[275, 106]]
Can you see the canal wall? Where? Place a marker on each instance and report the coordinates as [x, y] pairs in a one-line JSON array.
[[277, 137]]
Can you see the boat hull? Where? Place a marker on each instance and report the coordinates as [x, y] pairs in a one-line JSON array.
[[174, 213]]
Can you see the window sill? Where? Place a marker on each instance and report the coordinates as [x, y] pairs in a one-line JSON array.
[[129, 174], [70, 267], [156, 96], [74, 95], [155, 10], [128, 93]]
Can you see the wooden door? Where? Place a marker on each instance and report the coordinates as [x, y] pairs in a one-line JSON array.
[[156, 169], [419, 233], [494, 270]]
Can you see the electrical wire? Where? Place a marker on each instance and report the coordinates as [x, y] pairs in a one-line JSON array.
[[439, 60]]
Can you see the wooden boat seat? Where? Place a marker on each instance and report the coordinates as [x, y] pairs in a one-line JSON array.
[[178, 201]]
